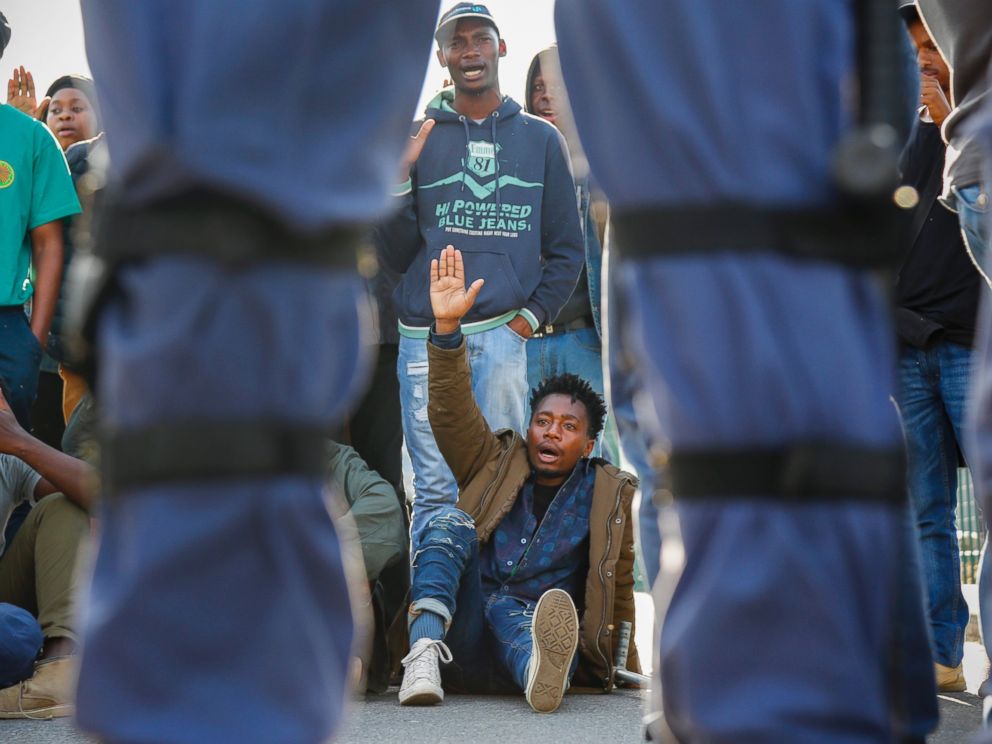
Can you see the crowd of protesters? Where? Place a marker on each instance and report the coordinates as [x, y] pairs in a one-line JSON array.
[[497, 318]]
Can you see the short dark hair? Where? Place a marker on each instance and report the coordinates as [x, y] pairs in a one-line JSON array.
[[578, 390]]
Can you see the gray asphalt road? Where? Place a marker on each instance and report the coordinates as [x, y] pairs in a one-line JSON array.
[[582, 718]]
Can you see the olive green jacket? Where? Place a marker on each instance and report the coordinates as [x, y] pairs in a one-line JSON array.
[[374, 506], [492, 467]]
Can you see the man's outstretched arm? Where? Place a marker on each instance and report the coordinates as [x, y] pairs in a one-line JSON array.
[[59, 472], [397, 238], [464, 438]]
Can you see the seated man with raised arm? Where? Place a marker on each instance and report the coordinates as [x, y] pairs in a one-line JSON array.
[[536, 561]]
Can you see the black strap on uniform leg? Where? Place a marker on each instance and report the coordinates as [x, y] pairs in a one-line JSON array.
[[194, 451], [804, 472], [857, 236], [201, 224], [229, 231]]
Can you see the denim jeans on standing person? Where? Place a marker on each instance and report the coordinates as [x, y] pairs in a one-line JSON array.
[[933, 391], [972, 205], [498, 359], [578, 352], [626, 385], [20, 360], [489, 636], [974, 214]]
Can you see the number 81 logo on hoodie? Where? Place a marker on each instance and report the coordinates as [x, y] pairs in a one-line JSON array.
[[6, 174], [482, 158]]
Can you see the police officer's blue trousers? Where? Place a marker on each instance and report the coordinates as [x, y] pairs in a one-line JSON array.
[[781, 627], [218, 610]]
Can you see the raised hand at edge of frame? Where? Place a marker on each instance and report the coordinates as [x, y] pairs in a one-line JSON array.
[[22, 96], [413, 149]]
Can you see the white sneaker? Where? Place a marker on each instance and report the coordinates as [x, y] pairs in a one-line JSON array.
[[422, 673], [554, 636]]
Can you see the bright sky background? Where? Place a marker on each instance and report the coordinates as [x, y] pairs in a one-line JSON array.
[[47, 38]]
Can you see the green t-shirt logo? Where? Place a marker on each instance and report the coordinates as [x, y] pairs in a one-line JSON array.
[[6, 174]]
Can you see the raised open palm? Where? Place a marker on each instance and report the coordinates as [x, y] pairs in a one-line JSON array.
[[450, 301], [21, 94]]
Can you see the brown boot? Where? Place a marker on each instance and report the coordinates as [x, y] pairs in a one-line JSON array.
[[950, 679], [47, 694]]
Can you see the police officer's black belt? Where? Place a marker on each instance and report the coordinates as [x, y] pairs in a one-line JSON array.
[[856, 235], [196, 451], [222, 230], [808, 472]]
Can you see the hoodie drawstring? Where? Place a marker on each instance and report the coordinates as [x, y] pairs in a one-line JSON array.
[[468, 140], [496, 160]]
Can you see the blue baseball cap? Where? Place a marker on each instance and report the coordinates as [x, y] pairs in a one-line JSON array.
[[20, 642], [460, 11]]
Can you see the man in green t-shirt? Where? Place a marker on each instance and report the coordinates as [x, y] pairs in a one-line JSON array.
[[36, 192]]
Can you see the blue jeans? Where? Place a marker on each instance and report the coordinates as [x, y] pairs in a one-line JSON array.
[[578, 352], [933, 390], [974, 211], [218, 610], [498, 359], [974, 214], [20, 360], [633, 424], [489, 636], [757, 350]]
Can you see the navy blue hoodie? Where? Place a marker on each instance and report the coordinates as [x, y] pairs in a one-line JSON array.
[[502, 193]]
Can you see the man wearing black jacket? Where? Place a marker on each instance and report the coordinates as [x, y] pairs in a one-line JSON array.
[[937, 293]]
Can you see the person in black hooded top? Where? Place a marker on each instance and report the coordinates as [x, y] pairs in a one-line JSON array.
[[937, 292]]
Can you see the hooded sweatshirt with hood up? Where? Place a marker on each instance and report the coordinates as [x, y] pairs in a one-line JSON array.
[[584, 301], [962, 31], [501, 191]]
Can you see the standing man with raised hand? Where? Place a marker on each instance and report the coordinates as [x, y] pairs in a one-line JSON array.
[[36, 193], [768, 356], [218, 609], [497, 182]]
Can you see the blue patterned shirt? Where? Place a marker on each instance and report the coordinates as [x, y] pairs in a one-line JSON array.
[[524, 559]]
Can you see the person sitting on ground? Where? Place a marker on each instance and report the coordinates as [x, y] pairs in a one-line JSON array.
[[378, 517], [539, 529], [38, 567]]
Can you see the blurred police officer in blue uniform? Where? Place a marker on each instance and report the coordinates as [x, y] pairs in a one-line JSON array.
[[768, 353], [249, 143]]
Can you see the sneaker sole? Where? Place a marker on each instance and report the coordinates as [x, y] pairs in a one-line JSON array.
[[555, 636], [414, 696]]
